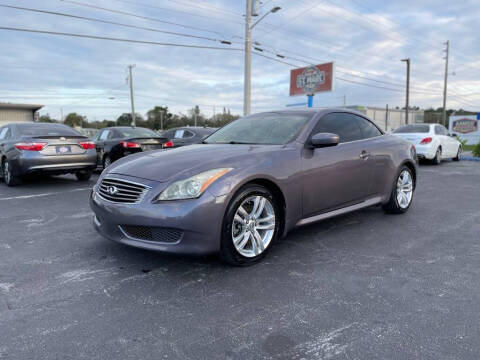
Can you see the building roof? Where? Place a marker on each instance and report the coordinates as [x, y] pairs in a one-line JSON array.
[[32, 107]]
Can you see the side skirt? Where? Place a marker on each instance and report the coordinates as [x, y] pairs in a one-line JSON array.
[[369, 202]]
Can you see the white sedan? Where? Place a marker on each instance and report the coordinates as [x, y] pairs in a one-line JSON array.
[[432, 141]]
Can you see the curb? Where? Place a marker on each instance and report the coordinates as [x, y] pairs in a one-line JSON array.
[[469, 158]]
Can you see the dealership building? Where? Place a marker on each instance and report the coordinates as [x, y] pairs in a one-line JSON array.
[[11, 113]]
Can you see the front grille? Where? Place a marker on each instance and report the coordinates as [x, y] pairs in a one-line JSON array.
[[121, 191], [158, 234]]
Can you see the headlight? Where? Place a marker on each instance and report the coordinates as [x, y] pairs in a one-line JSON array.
[[192, 187]]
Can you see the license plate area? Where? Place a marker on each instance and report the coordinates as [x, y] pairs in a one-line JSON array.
[[63, 149]]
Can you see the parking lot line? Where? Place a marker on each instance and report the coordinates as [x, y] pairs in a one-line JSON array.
[[44, 194]]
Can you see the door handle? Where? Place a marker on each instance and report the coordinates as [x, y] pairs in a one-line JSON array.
[[364, 155]]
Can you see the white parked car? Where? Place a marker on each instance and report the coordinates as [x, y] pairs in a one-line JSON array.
[[432, 141]]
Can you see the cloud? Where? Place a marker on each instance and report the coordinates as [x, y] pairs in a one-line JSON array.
[[84, 75]]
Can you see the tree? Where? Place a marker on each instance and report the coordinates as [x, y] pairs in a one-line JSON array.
[[74, 119], [154, 118], [46, 119], [126, 120]]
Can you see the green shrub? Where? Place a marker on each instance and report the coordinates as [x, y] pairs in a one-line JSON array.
[[463, 142], [476, 150]]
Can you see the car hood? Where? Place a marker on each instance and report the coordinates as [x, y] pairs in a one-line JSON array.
[[164, 165]]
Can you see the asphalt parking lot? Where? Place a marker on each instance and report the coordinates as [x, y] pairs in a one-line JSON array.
[[361, 286]]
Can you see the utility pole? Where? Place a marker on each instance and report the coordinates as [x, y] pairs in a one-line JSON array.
[[248, 60], [130, 67], [408, 89], [61, 111], [195, 117], [447, 50], [344, 101]]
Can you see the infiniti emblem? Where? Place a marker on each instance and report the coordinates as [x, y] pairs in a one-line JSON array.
[[112, 190]]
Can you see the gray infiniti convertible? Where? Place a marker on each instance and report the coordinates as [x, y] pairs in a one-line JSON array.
[[252, 181]]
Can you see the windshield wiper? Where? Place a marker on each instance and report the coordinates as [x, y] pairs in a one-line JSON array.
[[240, 143]]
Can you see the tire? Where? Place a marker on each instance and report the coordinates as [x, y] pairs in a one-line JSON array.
[[8, 177], [459, 152], [107, 161], [394, 206], [250, 226], [437, 160], [83, 175]]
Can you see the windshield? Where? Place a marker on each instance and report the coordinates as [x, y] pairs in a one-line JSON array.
[[137, 132], [47, 130], [412, 129], [267, 128]]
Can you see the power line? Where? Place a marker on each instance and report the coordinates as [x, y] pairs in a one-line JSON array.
[[177, 11], [140, 16], [291, 19], [112, 23], [117, 39]]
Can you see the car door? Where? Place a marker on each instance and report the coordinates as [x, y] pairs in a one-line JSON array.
[[452, 142], [444, 141], [6, 137], [337, 176], [378, 155], [189, 137], [100, 142], [178, 139]]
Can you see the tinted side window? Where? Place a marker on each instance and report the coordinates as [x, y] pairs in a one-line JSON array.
[[368, 129], [3, 131], [342, 124], [438, 130], [188, 134]]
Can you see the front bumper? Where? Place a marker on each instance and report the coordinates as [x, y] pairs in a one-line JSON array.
[[198, 221]]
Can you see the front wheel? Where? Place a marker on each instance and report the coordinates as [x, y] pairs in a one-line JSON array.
[[402, 193], [459, 152], [250, 226], [438, 157]]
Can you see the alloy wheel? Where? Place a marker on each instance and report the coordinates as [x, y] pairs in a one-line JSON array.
[[404, 189], [253, 226]]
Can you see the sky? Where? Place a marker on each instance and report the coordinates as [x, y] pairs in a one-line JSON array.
[[366, 39]]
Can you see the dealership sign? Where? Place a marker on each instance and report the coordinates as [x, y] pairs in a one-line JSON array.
[[465, 125], [312, 79]]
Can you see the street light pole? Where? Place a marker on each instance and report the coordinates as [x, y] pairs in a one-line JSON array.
[[248, 54], [444, 117], [130, 67], [408, 89], [248, 60]]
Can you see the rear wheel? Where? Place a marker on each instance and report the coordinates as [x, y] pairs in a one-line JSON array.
[[250, 226], [459, 152], [402, 193], [438, 157], [83, 175], [8, 174]]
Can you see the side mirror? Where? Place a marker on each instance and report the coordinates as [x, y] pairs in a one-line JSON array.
[[324, 140], [453, 135]]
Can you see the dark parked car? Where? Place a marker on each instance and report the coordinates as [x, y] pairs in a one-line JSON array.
[[186, 135], [51, 148], [252, 181], [114, 143]]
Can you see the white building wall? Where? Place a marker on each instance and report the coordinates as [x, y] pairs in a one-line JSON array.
[[12, 115]]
